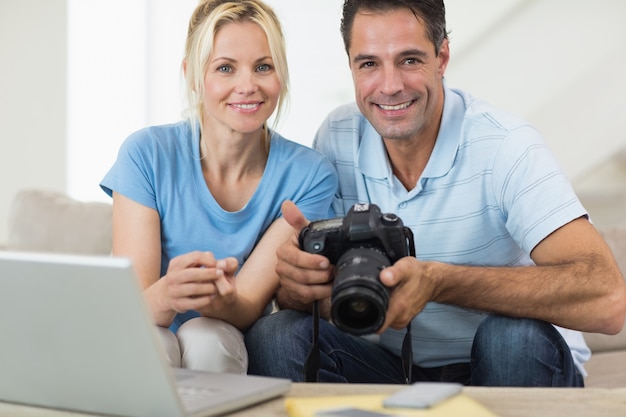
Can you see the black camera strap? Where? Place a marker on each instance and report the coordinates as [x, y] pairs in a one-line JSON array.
[[312, 363], [407, 343], [407, 355]]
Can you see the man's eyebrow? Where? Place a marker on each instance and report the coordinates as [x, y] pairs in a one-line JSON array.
[[403, 54], [364, 57], [414, 52]]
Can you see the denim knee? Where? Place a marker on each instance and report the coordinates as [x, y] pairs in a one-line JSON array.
[[511, 351], [278, 344]]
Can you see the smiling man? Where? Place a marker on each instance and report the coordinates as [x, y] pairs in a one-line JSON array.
[[508, 268]]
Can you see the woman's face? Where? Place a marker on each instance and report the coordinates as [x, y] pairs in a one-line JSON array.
[[241, 86]]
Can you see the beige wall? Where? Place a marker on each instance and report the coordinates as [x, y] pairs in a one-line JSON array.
[[32, 98]]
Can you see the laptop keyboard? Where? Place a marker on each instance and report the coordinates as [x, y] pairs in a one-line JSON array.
[[196, 399], [195, 393]]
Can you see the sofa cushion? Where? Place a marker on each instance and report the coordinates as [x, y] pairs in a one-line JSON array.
[[48, 221], [605, 370], [603, 343]]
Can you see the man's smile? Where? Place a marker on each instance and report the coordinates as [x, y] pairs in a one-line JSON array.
[[401, 106]]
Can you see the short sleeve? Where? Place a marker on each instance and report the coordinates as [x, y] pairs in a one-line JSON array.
[[132, 174]]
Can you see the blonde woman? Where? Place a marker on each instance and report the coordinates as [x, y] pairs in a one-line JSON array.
[[196, 204]]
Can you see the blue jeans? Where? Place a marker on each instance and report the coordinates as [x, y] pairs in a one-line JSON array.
[[506, 352]]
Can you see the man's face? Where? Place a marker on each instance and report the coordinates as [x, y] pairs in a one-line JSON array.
[[397, 76]]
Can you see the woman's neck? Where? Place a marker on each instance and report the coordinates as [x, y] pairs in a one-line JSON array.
[[233, 166]]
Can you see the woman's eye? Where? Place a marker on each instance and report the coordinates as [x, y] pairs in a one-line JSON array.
[[224, 68], [264, 67]]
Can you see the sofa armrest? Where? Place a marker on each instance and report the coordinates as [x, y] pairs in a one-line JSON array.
[[615, 237]]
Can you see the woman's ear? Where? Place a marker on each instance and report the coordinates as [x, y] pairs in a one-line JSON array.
[[185, 68]]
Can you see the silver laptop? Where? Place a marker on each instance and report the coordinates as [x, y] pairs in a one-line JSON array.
[[75, 334]]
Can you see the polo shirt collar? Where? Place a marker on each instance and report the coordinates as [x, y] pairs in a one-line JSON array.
[[373, 160]]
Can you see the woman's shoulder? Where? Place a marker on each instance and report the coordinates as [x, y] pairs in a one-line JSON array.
[[287, 148], [161, 133], [299, 163], [166, 138]]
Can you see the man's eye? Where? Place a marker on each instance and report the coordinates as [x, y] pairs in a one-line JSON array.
[[412, 61], [368, 64]]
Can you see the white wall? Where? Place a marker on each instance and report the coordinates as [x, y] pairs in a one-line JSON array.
[[32, 98], [107, 86], [79, 76], [136, 79], [559, 64]]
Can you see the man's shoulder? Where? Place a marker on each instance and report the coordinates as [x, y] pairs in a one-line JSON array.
[[341, 128], [482, 113], [345, 113]]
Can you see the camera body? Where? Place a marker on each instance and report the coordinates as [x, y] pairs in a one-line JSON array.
[[360, 245]]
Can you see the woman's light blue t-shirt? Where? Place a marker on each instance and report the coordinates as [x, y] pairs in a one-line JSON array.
[[160, 168]]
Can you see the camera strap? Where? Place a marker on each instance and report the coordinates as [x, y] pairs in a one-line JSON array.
[[407, 355], [312, 363]]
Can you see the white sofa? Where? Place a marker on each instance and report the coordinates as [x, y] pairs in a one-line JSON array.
[[48, 221]]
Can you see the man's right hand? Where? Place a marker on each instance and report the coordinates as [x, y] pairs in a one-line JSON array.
[[304, 277]]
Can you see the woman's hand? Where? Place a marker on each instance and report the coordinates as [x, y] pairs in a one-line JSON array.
[[224, 285], [194, 281]]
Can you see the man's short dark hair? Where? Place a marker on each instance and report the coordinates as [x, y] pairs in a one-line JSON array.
[[432, 13]]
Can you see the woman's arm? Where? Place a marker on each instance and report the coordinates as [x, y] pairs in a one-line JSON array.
[[189, 283], [256, 282]]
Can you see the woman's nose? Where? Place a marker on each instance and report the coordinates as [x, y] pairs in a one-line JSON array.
[[247, 83]]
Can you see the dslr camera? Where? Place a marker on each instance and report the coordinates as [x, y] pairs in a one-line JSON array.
[[360, 245]]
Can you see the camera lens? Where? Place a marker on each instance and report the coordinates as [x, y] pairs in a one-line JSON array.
[[359, 300], [358, 310], [360, 306]]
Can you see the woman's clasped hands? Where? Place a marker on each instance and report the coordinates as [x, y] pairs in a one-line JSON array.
[[198, 281]]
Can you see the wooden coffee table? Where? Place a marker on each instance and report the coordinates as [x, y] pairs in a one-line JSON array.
[[504, 402]]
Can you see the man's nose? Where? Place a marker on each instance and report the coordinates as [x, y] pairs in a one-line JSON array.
[[391, 81]]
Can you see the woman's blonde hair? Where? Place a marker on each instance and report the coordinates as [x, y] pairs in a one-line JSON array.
[[205, 22]]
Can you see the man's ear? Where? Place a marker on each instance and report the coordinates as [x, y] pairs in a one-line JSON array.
[[443, 57]]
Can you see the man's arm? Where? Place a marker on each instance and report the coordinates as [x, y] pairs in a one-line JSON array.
[[576, 284]]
